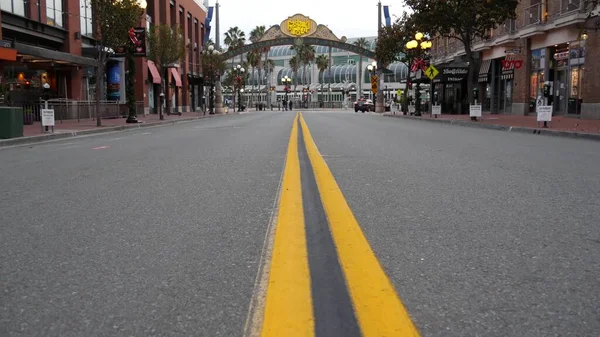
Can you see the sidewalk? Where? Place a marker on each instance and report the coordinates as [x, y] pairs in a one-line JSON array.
[[560, 125], [71, 128]]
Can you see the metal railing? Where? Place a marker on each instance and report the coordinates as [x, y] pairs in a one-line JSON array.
[[65, 109], [509, 27], [568, 6], [532, 15]]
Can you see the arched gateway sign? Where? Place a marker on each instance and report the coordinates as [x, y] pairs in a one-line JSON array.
[[297, 30]]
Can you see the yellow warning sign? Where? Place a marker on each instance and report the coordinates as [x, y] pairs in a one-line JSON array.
[[374, 84], [431, 72]]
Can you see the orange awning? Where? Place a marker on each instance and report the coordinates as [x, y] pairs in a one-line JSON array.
[[154, 71], [176, 76], [8, 54]]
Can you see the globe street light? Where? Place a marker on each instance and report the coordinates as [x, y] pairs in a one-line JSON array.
[[286, 81], [418, 47], [238, 72], [211, 74]]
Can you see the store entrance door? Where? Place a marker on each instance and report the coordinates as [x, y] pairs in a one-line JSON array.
[[560, 92]]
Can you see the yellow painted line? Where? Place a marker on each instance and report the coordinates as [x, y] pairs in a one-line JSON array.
[[378, 308], [288, 310]]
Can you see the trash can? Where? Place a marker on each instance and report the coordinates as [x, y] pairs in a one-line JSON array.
[[11, 122]]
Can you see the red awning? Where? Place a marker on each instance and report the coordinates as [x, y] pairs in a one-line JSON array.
[[154, 71], [176, 76]]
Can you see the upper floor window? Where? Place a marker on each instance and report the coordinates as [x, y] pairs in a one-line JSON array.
[[13, 6], [85, 16], [54, 13]]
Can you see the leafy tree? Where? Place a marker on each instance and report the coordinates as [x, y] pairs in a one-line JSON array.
[[464, 20], [391, 46], [362, 43], [166, 47], [213, 66], [112, 20], [322, 63]]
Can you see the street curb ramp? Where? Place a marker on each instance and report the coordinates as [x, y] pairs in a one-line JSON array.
[[64, 135], [520, 129]]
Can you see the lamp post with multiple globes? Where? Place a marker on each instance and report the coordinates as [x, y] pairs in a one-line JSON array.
[[418, 50]]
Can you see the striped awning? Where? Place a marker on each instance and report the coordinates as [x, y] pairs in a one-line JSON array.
[[509, 74], [484, 70]]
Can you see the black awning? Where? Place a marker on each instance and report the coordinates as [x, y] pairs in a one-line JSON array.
[[55, 55], [484, 70]]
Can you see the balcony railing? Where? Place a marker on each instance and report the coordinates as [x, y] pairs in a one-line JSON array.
[[509, 27], [532, 15], [568, 6]]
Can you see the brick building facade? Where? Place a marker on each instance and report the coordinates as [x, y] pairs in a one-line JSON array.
[[53, 42], [551, 42]]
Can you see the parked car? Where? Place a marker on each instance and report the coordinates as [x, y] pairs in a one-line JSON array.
[[364, 105]]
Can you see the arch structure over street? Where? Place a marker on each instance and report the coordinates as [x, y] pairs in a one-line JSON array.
[[298, 30]]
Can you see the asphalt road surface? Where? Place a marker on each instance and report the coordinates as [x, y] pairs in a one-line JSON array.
[[312, 224]]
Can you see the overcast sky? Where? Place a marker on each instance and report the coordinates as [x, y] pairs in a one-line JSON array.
[[350, 18]]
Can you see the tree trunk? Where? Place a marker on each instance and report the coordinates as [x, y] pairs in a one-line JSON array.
[[470, 58], [99, 84], [167, 94]]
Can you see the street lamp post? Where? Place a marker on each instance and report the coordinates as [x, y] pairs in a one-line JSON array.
[[130, 94], [238, 71], [286, 81], [372, 68], [419, 48], [212, 76]]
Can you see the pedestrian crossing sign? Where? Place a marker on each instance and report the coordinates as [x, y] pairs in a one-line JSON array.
[[431, 72]]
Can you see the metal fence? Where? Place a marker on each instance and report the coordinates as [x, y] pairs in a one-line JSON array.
[[65, 109]]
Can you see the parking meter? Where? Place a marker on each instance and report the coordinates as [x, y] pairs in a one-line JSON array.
[[45, 98]]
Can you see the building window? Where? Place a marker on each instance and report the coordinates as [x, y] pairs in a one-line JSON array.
[[54, 13], [85, 17], [13, 6]]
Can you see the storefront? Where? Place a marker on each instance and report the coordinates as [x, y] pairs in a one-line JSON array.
[[577, 69], [536, 77], [450, 88]]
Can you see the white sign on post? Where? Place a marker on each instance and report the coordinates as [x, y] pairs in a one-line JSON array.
[[436, 109], [544, 113], [475, 110], [47, 117], [411, 109]]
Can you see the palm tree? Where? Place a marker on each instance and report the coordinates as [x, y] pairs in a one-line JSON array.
[[253, 60], [295, 65], [269, 68], [235, 38], [362, 43], [322, 63], [255, 36], [306, 54]]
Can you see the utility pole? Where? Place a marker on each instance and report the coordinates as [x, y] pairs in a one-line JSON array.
[[217, 32], [379, 107]]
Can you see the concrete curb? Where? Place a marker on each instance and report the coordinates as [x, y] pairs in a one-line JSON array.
[[101, 130], [520, 129]]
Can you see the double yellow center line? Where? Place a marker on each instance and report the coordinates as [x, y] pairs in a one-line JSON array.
[[288, 310]]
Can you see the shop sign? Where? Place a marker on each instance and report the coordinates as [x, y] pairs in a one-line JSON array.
[[451, 74], [5, 44], [511, 64]]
